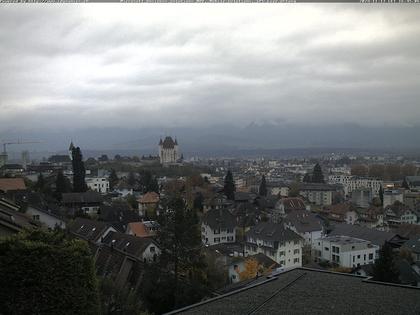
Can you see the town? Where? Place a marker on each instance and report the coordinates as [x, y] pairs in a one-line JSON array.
[[172, 233]]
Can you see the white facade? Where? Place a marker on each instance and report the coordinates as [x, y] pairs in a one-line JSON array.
[[318, 197], [211, 236], [168, 151], [49, 220], [345, 251], [351, 183], [99, 184], [392, 195], [288, 253]]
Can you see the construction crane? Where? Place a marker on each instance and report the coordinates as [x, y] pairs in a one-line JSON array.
[[3, 156]]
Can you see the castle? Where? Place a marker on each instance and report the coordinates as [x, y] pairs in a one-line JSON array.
[[168, 151]]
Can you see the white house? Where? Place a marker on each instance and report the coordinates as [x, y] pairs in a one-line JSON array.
[[218, 226], [275, 241], [99, 184], [351, 183], [345, 251], [48, 218], [304, 223], [317, 193]]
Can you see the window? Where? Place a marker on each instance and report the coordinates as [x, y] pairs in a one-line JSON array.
[[296, 251], [230, 238], [152, 249], [296, 242], [216, 231], [370, 256], [353, 259], [282, 262], [217, 239], [364, 257], [296, 260], [282, 253], [358, 256], [327, 249], [36, 217]]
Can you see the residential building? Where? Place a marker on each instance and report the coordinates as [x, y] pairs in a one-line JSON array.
[[168, 151], [374, 236], [143, 229], [361, 197], [413, 182], [148, 204], [98, 184], [144, 249], [11, 220], [399, 213], [275, 241], [286, 205], [90, 230], [341, 212], [305, 223], [351, 183], [218, 226], [345, 251], [88, 202], [413, 246], [49, 218], [278, 189], [392, 195], [317, 193]]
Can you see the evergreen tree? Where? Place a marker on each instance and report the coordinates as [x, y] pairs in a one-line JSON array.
[[381, 195], [79, 172], [113, 179], [384, 268], [178, 280], [153, 185], [307, 178], [62, 185], [317, 176], [131, 179], [198, 202], [263, 187], [229, 188], [40, 184]]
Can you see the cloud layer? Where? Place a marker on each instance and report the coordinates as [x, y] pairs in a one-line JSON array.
[[171, 65]]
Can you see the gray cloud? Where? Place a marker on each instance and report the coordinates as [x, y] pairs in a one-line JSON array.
[[191, 66]]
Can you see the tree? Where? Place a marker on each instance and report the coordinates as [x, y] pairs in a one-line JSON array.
[[62, 185], [198, 202], [263, 187], [317, 176], [229, 188], [40, 183], [393, 172], [79, 172], [385, 269], [179, 278], [307, 178], [294, 189], [113, 179], [359, 170], [381, 195], [376, 170], [251, 269], [131, 179], [45, 273]]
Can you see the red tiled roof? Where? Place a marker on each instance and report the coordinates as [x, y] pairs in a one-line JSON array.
[[150, 197], [7, 184]]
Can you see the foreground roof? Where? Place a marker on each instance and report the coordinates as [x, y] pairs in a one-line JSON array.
[[309, 291]]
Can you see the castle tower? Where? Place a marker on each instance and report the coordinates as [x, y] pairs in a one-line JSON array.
[[168, 150]]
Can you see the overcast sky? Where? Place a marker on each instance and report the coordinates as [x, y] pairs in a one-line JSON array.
[[108, 65]]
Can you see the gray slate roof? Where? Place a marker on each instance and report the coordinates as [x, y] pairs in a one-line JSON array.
[[308, 291], [89, 230], [219, 218], [374, 236], [272, 232], [304, 221], [130, 244]]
